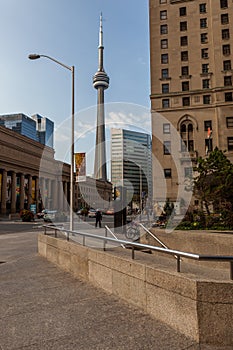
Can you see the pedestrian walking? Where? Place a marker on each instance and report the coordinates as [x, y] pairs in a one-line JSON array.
[[98, 218]]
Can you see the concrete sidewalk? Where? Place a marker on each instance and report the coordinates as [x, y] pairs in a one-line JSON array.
[[42, 307]]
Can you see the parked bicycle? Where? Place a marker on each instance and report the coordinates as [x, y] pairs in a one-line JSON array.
[[132, 230]]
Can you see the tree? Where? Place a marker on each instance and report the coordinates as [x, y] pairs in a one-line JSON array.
[[214, 182]]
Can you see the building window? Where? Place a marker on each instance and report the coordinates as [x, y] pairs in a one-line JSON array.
[[165, 88], [164, 58], [183, 11], [164, 44], [204, 38], [185, 70], [225, 34], [226, 50], [166, 128], [163, 14], [184, 56], [207, 125], [204, 53], [203, 23], [187, 137], [167, 173], [206, 99], [164, 73], [205, 68], [205, 84], [229, 121], [167, 147], [227, 65], [183, 26], [228, 97], [202, 8], [164, 29], [223, 4], [184, 41], [186, 101], [165, 103], [230, 143], [228, 81], [224, 18], [185, 85]]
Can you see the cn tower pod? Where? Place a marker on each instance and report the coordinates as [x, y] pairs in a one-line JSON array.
[[101, 79]]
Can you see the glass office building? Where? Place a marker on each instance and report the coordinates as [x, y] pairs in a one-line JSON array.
[[44, 129], [37, 128], [20, 123], [131, 163]]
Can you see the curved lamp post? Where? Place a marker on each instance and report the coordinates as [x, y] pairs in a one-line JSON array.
[[35, 57]]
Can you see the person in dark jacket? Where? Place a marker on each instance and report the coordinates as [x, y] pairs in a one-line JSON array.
[[98, 218]]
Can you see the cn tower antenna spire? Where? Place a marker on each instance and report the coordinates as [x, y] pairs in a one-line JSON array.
[[100, 83], [101, 31]]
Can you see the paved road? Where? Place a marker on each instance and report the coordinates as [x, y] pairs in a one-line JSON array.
[[42, 307]]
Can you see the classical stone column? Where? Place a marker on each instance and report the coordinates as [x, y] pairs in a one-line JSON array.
[[60, 196], [65, 203], [29, 191], [42, 192], [22, 193], [13, 192], [54, 187], [4, 189], [37, 194], [49, 194]]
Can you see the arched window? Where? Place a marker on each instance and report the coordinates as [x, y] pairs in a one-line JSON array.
[[186, 134]]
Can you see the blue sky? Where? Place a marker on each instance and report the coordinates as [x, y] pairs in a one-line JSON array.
[[68, 31]]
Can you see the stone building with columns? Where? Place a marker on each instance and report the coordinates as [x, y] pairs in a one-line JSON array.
[[29, 174]]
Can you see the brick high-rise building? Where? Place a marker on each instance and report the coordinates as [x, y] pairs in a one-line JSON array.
[[191, 60]]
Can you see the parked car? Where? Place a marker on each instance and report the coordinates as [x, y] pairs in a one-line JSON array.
[[109, 212], [41, 214], [92, 213], [50, 215]]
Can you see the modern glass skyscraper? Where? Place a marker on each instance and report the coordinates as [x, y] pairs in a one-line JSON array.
[[45, 129], [37, 128], [131, 163], [20, 123]]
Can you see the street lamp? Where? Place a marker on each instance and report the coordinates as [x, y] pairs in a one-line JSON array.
[[35, 57]]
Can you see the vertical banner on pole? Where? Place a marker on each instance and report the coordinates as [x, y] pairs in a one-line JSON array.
[[80, 162]]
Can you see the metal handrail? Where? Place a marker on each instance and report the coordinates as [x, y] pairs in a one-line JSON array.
[[152, 235], [134, 245], [107, 229], [156, 238]]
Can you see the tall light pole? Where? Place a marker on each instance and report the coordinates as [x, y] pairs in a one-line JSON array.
[[70, 68]]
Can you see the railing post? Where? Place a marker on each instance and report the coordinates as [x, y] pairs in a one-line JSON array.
[[68, 236], [231, 269], [178, 263], [133, 255], [45, 230], [84, 240]]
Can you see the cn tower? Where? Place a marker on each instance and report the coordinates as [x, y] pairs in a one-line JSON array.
[[100, 82]]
